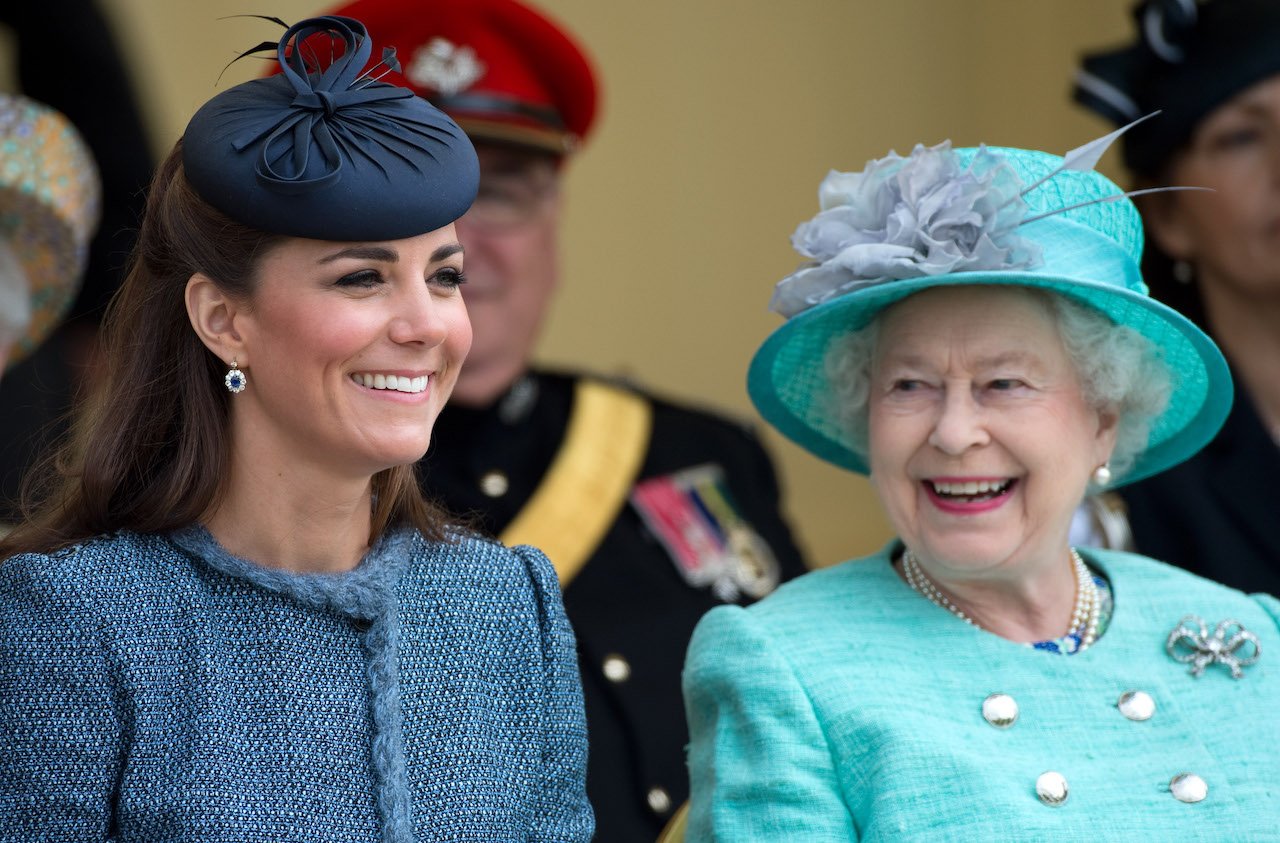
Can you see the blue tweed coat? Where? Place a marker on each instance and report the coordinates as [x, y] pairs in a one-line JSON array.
[[155, 688], [846, 707]]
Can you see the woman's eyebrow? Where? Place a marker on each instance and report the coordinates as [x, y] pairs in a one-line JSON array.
[[1021, 356], [377, 253], [445, 252], [386, 255]]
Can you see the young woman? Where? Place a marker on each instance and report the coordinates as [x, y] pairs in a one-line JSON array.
[[232, 616]]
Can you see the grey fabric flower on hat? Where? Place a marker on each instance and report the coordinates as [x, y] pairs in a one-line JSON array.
[[925, 214]]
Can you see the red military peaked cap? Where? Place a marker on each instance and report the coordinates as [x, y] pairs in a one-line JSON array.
[[502, 70]]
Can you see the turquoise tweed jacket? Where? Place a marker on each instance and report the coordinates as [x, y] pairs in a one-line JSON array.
[[847, 707], [155, 688]]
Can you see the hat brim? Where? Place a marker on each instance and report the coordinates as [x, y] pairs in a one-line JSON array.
[[481, 130], [789, 385]]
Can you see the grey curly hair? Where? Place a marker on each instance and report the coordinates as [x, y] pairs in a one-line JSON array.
[[1120, 371]]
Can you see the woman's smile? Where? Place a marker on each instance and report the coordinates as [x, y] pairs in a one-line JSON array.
[[968, 496], [981, 440], [353, 349], [397, 384]]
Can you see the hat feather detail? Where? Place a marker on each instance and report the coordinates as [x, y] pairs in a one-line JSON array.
[[929, 215]]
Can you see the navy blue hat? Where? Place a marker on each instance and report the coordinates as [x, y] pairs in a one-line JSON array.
[[330, 154], [1190, 57]]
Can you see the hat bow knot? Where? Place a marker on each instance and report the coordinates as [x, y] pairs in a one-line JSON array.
[[337, 107]]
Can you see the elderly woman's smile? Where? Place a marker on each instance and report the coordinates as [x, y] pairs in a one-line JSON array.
[[968, 494], [981, 440]]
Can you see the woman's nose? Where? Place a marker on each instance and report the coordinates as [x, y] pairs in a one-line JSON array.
[[418, 319], [960, 424]]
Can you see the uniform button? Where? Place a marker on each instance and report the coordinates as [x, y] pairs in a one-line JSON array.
[[616, 669], [659, 800], [494, 483], [1136, 705], [1188, 787], [1051, 787], [1000, 710]]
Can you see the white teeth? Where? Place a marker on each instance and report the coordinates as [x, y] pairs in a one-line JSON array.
[[969, 487], [397, 383]]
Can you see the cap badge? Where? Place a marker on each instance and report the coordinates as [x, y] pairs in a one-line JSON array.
[[446, 67]]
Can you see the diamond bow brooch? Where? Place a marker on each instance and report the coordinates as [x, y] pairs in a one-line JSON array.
[[1230, 644]]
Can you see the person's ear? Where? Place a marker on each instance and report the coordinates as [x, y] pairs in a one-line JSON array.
[[214, 316], [1166, 218], [1107, 433]]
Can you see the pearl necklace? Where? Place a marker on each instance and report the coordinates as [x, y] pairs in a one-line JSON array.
[[1084, 617]]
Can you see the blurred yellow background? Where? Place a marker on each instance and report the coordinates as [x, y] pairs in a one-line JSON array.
[[719, 119]]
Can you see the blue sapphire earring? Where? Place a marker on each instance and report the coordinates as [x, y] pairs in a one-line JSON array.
[[235, 379]]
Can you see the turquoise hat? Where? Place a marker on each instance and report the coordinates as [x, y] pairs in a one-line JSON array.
[[946, 217]]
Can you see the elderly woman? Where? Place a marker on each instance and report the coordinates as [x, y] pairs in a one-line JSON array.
[[973, 333], [233, 617], [1213, 68]]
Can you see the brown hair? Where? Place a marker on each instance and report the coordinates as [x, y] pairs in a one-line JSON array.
[[148, 451]]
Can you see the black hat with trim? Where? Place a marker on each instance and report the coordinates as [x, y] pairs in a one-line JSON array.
[[330, 153], [1190, 57]]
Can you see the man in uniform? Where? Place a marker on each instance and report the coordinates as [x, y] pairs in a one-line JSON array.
[[652, 513]]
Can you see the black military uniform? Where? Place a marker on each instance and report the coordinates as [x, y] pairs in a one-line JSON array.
[[632, 603]]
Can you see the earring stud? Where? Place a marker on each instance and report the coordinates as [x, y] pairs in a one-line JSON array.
[[1102, 475], [235, 379], [1183, 272]]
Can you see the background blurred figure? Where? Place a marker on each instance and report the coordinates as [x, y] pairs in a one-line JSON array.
[[49, 206], [652, 513], [1213, 70], [93, 89]]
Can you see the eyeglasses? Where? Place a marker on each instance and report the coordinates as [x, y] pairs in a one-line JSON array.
[[509, 199]]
